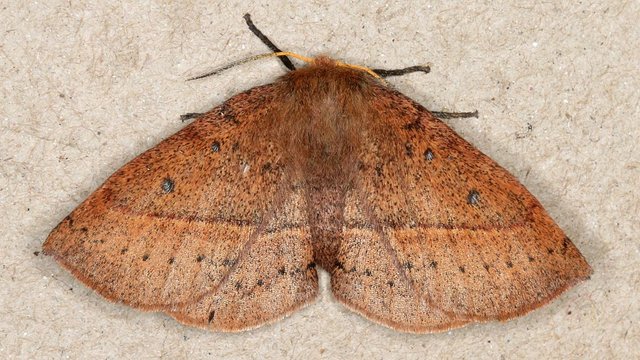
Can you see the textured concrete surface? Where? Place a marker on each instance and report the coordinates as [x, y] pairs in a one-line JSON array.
[[85, 87]]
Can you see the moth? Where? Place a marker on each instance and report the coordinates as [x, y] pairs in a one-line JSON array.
[[224, 224]]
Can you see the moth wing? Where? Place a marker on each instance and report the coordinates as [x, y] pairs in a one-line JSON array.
[[461, 239], [205, 226], [368, 278]]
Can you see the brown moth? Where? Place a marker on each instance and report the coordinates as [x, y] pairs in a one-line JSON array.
[[222, 225]]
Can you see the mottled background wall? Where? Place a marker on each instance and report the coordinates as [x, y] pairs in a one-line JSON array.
[[85, 87]]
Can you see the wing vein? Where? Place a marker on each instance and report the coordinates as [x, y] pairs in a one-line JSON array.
[[246, 247]]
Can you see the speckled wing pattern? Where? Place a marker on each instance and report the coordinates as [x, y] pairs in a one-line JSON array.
[[438, 235], [206, 226]]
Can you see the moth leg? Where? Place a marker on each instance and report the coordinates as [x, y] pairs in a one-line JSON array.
[[399, 72], [454, 115], [189, 116]]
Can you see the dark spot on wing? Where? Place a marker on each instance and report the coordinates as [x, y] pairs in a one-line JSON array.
[[428, 155], [565, 245], [379, 169], [167, 185], [228, 114], [228, 262], [474, 197], [414, 125], [408, 149]]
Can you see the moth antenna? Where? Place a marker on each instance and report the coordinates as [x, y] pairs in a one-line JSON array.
[[265, 40], [279, 54], [398, 72], [284, 54]]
